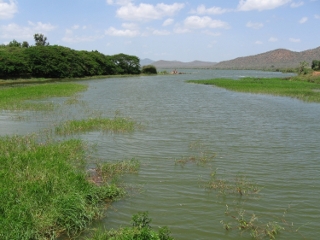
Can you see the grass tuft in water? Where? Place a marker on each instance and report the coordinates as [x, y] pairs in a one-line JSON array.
[[140, 230], [201, 156], [44, 189], [239, 185], [293, 87], [252, 225], [117, 124]]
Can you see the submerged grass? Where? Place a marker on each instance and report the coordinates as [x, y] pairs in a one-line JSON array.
[[44, 189], [293, 87], [20, 97], [117, 124]]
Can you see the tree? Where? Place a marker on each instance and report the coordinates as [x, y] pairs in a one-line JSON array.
[[149, 69], [302, 68], [40, 40], [315, 65], [14, 43], [25, 44]]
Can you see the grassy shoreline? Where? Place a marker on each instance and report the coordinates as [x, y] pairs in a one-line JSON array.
[[302, 88]]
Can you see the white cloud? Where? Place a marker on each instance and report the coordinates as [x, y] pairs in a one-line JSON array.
[[202, 10], [273, 39], [118, 2], [215, 34], [15, 31], [195, 22], [295, 40], [260, 5], [8, 9], [70, 37], [121, 32], [161, 33], [297, 4], [317, 16], [146, 12], [168, 22], [303, 20], [254, 25], [258, 42]]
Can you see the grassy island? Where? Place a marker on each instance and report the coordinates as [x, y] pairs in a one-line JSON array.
[[305, 88]]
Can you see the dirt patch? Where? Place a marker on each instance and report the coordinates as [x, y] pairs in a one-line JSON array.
[[315, 73]]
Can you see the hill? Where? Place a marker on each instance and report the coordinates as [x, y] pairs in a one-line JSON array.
[[178, 64], [279, 58]]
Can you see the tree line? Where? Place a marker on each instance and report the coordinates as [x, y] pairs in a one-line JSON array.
[[20, 60]]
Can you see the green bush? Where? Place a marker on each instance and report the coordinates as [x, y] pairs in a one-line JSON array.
[[149, 69]]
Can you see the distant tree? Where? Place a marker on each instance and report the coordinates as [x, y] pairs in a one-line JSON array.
[[315, 65], [40, 40], [302, 68], [25, 44], [149, 69], [14, 43], [126, 64]]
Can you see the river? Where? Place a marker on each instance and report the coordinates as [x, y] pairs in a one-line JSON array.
[[271, 141]]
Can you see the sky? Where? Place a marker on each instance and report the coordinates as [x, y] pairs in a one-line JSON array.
[[181, 30]]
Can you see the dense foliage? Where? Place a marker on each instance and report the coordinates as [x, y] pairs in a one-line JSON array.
[[315, 65], [43, 60], [149, 69]]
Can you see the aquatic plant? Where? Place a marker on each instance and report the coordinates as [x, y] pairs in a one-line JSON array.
[[116, 124], [251, 224], [200, 156], [238, 185], [140, 230]]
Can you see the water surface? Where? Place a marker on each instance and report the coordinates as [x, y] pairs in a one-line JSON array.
[[273, 141]]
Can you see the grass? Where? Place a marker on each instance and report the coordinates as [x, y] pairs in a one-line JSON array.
[[20, 98], [296, 87], [44, 189], [117, 124], [250, 223], [239, 185], [140, 230], [201, 156]]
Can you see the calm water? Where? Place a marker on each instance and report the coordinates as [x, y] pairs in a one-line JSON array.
[[273, 141]]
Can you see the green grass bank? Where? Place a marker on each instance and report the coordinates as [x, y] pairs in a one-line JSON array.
[[296, 87]]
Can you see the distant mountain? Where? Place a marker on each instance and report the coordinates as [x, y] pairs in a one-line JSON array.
[[177, 64], [146, 61], [279, 58]]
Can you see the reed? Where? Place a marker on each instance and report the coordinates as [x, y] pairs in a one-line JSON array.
[[22, 97], [292, 87], [239, 185], [251, 224]]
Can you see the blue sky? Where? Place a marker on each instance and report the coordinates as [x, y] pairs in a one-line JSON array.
[[207, 30]]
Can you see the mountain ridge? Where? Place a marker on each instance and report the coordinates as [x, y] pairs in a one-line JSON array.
[[274, 59]]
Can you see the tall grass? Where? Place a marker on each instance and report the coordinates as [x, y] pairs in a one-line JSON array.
[[293, 87], [18, 98], [44, 189]]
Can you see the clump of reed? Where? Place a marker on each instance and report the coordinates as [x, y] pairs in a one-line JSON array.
[[140, 229], [250, 223], [117, 124], [239, 185], [20, 97], [292, 87], [200, 156], [44, 189]]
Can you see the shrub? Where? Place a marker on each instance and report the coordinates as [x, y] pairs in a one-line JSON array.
[[149, 69]]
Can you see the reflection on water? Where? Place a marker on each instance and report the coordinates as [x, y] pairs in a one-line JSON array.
[[273, 141]]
